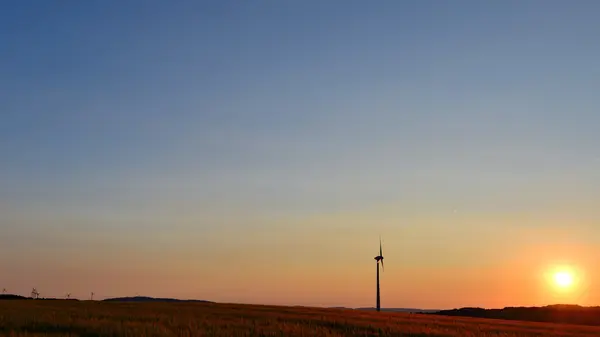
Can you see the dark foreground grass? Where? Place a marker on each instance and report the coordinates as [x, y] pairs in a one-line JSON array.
[[70, 318]]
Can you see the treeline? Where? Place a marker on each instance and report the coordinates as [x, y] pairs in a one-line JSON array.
[[566, 314]]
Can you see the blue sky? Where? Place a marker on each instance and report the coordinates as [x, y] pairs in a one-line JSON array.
[[154, 119]]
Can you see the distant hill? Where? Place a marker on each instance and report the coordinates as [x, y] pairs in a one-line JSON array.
[[560, 313], [151, 299], [13, 297], [410, 310], [18, 297]]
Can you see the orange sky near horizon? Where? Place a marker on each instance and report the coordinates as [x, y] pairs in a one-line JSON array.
[[443, 261]]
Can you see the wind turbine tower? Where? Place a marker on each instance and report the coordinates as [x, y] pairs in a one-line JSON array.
[[379, 258]]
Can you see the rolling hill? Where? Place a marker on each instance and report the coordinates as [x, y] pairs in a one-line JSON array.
[[560, 313]]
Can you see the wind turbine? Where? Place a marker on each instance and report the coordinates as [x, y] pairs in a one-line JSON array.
[[4, 290], [35, 294], [92, 296], [68, 295], [379, 258]]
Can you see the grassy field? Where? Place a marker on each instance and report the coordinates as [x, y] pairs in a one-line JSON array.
[[72, 318]]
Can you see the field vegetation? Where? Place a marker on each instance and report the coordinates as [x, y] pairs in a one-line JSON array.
[[91, 318]]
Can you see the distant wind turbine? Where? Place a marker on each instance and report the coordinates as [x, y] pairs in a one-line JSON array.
[[35, 294], [92, 296], [379, 258], [4, 290], [68, 295]]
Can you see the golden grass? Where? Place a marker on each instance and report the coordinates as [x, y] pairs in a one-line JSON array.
[[71, 318]]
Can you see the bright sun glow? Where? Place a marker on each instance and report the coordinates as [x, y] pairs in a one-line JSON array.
[[563, 279]]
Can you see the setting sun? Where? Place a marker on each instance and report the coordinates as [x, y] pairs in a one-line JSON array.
[[563, 279]]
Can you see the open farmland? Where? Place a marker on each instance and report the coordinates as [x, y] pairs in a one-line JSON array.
[[73, 318]]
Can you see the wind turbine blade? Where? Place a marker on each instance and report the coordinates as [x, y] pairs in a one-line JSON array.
[[382, 265], [380, 250]]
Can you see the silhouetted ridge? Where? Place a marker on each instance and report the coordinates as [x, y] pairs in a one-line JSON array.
[[13, 297], [19, 297], [151, 299], [409, 310], [558, 313]]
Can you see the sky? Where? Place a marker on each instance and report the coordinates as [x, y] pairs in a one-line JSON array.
[[254, 151]]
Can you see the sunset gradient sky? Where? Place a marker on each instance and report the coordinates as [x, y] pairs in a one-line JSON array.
[[254, 151]]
